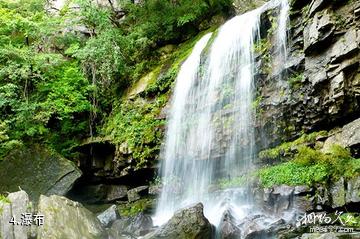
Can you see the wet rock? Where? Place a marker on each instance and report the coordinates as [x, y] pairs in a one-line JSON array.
[[155, 190], [252, 230], [137, 225], [347, 137], [48, 173], [337, 192], [353, 190], [108, 216], [188, 223], [67, 219], [136, 193], [228, 227]]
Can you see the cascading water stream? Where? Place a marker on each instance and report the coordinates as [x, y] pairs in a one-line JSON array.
[[210, 133]]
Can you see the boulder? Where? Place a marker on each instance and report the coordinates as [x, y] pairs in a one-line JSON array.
[[137, 225], [348, 137], [20, 204], [37, 171], [136, 193], [116, 192], [66, 219], [6, 228], [108, 216], [188, 223], [228, 228], [13, 209]]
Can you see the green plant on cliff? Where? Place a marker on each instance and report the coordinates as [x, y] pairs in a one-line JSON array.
[[310, 166], [136, 124], [287, 149]]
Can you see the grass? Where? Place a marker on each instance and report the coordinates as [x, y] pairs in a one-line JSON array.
[[287, 149], [310, 166]]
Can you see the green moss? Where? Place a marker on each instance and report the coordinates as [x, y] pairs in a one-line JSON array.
[[287, 149], [311, 166], [295, 80], [4, 199], [137, 123], [131, 209]]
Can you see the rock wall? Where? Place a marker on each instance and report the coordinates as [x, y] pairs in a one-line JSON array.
[[320, 87]]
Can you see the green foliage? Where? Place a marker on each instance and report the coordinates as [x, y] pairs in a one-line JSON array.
[[287, 149], [44, 95], [311, 166], [131, 209], [351, 219], [60, 74], [137, 124], [291, 173], [295, 80], [4, 199]]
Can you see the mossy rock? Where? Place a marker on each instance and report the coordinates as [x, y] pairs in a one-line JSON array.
[[37, 170]]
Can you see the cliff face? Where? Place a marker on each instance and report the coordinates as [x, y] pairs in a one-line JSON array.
[[320, 88]]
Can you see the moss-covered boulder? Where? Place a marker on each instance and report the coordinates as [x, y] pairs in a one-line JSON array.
[[38, 171], [67, 219]]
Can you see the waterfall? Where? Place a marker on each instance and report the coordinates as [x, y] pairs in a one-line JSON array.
[[210, 134]]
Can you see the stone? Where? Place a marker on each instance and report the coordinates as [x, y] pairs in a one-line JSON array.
[[48, 173], [330, 235], [116, 192], [251, 229], [188, 223], [137, 225], [108, 216], [136, 193], [337, 192], [19, 204], [348, 137], [67, 219], [345, 46], [353, 190], [281, 198], [318, 31], [155, 190], [6, 228], [228, 227], [316, 5]]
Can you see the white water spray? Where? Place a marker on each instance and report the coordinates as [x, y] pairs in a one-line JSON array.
[[210, 134]]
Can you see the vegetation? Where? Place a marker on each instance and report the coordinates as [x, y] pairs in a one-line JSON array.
[[63, 72], [287, 150], [310, 166], [131, 209]]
